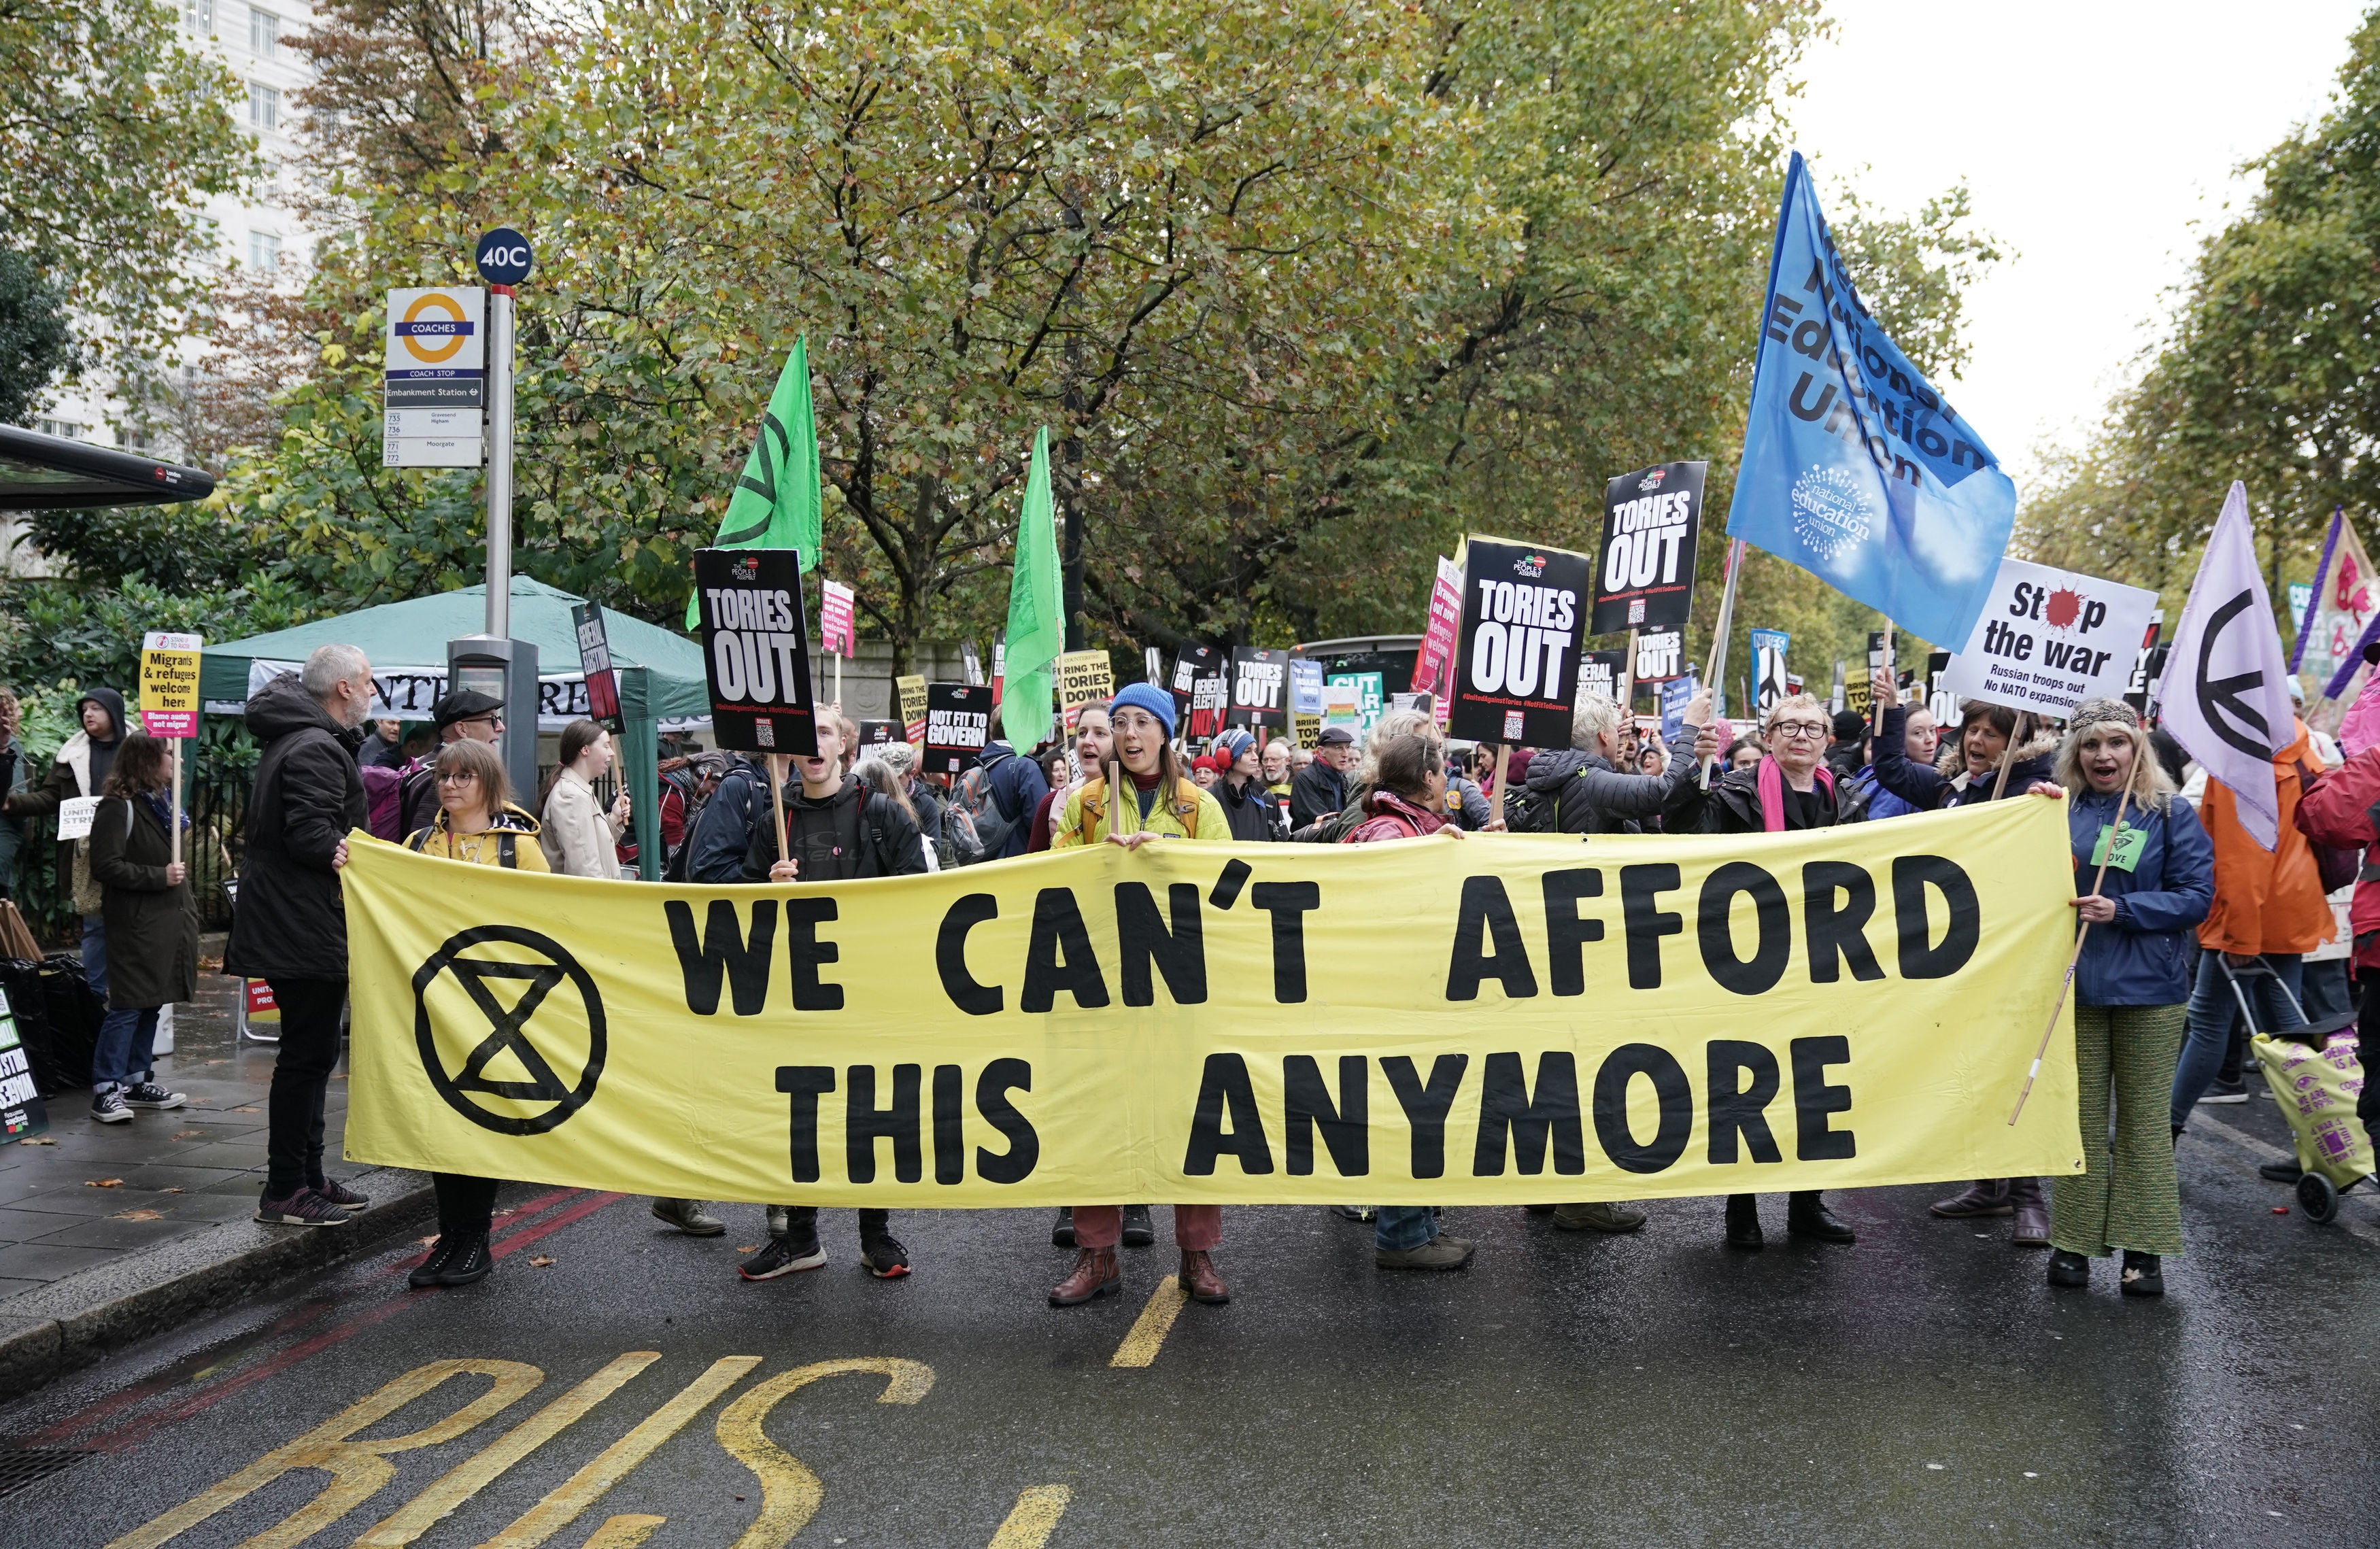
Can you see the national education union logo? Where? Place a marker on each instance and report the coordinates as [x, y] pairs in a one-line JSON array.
[[502, 1047], [1833, 513]]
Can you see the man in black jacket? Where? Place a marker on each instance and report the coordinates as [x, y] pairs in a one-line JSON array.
[[1321, 789], [837, 830], [461, 713], [1583, 789], [289, 928]]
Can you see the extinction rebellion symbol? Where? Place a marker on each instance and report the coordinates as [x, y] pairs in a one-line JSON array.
[[518, 1045]]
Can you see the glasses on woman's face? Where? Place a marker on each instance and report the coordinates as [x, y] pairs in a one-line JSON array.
[[453, 778], [1804, 730]]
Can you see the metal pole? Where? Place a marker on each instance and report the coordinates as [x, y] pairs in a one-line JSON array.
[[500, 461]]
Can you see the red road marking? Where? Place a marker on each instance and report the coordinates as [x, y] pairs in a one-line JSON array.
[[134, 1431]]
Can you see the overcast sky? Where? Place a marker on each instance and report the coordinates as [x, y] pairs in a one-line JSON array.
[[2099, 139]]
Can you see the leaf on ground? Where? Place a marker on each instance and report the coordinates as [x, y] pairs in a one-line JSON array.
[[539, 1262], [243, 1110], [169, 1191], [141, 1216], [754, 1248], [218, 1062], [103, 1183], [37, 1140]]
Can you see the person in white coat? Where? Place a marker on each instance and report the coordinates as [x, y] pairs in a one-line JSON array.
[[580, 837], [579, 840]]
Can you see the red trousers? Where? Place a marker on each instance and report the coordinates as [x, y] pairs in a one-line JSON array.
[[1195, 1226]]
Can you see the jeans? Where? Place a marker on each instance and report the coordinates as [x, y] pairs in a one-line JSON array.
[[124, 1051], [2326, 992], [466, 1205], [94, 955], [301, 1075], [1398, 1228], [2211, 1007]]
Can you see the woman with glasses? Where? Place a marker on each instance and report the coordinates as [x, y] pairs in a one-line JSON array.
[[1788, 789], [1968, 771], [477, 825]]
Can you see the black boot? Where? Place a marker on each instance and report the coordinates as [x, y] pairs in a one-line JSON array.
[[428, 1272], [1806, 1216], [1138, 1232], [1063, 1234], [2069, 1270], [2143, 1275], [469, 1263], [1742, 1221]]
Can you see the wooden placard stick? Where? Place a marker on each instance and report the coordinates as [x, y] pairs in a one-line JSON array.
[[777, 801], [1496, 797], [1715, 678], [2007, 755], [2115, 837], [1890, 676]]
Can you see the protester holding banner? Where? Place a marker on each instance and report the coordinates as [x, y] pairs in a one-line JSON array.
[[2129, 982], [290, 928], [1169, 806], [459, 714], [1579, 789], [1790, 789], [578, 837], [477, 825], [836, 830], [2268, 905], [152, 926], [1094, 744]]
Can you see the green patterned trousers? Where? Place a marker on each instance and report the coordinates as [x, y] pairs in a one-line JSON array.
[[2127, 1197]]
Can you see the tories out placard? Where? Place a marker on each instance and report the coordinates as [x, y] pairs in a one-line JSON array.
[[1259, 687], [1645, 572], [755, 650], [2050, 639], [1516, 660]]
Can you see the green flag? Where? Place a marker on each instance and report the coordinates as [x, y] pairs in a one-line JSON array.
[[776, 502], [1036, 619]]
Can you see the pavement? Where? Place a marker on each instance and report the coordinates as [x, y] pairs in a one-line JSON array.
[[111, 1232], [615, 1383]]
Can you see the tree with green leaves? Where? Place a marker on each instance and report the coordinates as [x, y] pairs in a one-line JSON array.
[[36, 344], [114, 135]]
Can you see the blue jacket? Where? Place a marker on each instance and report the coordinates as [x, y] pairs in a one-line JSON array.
[[722, 830], [1926, 789], [2144, 957], [1018, 786], [1881, 803]]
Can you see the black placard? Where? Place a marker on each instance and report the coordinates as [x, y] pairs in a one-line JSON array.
[[958, 722], [1516, 660], [1259, 687], [595, 664], [755, 649], [1601, 671], [1645, 569], [1193, 664], [880, 733]]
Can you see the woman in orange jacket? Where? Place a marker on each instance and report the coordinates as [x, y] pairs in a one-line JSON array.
[[2268, 905]]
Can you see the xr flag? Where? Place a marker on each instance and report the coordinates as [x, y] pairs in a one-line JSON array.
[[1037, 614], [2225, 691], [1854, 467], [776, 501]]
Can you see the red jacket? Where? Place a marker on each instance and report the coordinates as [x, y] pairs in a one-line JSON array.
[[1393, 818], [2337, 812]]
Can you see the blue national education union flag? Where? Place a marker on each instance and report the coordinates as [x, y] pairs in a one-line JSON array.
[[1854, 469]]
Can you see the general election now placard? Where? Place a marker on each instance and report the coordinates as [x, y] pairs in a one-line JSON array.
[[1644, 1016]]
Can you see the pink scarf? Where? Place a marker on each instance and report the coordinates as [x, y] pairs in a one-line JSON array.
[[1772, 793]]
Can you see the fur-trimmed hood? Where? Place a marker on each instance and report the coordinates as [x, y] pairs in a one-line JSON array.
[[1952, 764]]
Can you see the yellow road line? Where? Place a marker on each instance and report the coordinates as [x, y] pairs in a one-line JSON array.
[[1149, 1331], [1033, 1518], [586, 1486], [789, 1493], [476, 1473]]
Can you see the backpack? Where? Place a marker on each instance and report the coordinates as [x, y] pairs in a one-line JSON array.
[[383, 802], [1094, 802], [973, 827], [1528, 811], [692, 799]]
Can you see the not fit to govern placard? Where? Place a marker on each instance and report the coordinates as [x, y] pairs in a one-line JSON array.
[[2050, 639]]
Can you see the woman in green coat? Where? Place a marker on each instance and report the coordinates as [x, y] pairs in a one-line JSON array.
[[152, 926]]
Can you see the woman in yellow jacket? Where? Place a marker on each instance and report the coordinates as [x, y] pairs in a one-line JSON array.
[[1169, 805], [477, 825]]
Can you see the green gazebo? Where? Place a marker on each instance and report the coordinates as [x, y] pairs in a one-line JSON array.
[[661, 673]]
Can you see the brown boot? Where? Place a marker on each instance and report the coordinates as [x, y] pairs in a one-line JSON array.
[[2032, 1213], [1095, 1274], [1985, 1196], [1199, 1281]]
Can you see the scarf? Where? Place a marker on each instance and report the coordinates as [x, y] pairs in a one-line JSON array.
[[1772, 791]]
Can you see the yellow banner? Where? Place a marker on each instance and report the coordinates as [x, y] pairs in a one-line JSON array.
[[1496, 1017]]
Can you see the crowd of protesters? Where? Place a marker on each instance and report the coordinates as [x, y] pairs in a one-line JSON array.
[[2192, 923]]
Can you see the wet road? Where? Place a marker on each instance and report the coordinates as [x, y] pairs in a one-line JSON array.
[[1922, 1387]]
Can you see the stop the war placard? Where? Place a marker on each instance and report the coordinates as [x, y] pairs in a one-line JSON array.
[[1259, 687], [958, 722], [1515, 666], [1645, 572], [2050, 639], [755, 650]]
